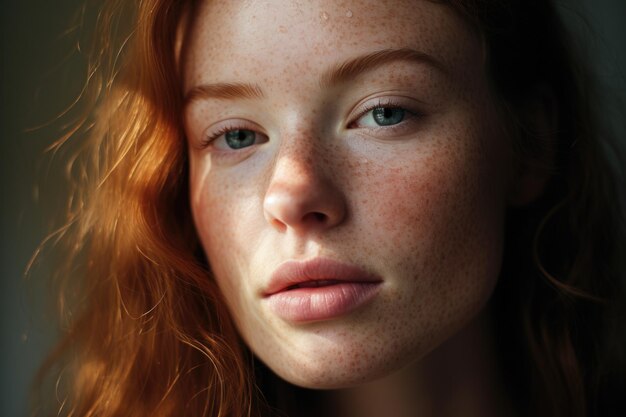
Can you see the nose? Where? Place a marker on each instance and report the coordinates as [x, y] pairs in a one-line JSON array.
[[302, 196]]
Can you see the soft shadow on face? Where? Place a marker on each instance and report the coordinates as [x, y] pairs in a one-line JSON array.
[[365, 135]]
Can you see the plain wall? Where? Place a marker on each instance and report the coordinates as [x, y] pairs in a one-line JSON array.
[[40, 76]]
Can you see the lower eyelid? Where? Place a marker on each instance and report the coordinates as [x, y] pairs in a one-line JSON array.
[[405, 125], [261, 138]]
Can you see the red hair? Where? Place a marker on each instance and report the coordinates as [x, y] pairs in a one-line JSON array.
[[148, 333]]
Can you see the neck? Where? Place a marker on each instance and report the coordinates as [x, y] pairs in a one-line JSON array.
[[458, 379]]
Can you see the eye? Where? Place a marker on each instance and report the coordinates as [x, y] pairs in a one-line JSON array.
[[232, 138], [382, 115], [237, 139], [387, 116]]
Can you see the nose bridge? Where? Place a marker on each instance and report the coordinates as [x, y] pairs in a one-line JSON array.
[[301, 194], [298, 161]]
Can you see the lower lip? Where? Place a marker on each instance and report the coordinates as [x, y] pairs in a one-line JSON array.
[[322, 303]]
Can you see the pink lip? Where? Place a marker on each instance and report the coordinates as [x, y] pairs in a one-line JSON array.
[[319, 289]]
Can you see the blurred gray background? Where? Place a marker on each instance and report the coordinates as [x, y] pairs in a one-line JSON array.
[[41, 73]]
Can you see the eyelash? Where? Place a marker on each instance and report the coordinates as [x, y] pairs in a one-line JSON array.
[[208, 139], [382, 103], [387, 104]]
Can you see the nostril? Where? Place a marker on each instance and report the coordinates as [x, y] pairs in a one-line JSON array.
[[315, 217], [320, 217], [278, 224], [304, 205]]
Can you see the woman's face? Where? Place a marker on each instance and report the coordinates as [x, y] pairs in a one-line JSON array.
[[348, 179]]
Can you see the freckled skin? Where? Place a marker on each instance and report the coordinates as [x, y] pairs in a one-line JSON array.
[[424, 209]]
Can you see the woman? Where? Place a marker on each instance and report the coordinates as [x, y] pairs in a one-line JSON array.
[[404, 204]]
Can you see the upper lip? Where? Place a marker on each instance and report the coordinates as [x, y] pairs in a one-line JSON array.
[[292, 273]]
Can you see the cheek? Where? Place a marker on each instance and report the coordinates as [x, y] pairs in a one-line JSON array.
[[439, 217], [218, 211], [227, 235], [432, 201]]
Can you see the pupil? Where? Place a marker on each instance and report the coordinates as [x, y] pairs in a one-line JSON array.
[[237, 139], [386, 116]]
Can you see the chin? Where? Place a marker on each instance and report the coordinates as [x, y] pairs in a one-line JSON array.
[[327, 379], [344, 368]]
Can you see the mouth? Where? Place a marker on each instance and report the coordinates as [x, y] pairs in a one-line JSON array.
[[319, 289], [313, 284]]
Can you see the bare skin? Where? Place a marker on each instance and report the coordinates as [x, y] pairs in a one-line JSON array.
[[418, 200], [459, 378]]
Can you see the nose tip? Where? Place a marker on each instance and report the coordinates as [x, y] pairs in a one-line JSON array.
[[288, 209], [300, 199]]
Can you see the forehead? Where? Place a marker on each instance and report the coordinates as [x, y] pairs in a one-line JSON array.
[[235, 39]]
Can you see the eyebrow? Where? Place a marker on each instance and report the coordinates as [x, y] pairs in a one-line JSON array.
[[364, 63], [223, 91], [333, 76]]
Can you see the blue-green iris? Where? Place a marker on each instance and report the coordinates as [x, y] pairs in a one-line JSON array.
[[237, 139], [387, 116]]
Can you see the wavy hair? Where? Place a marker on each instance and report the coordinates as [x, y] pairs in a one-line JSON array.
[[146, 332], [145, 329]]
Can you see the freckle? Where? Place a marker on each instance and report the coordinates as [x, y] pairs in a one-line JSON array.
[[282, 29]]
